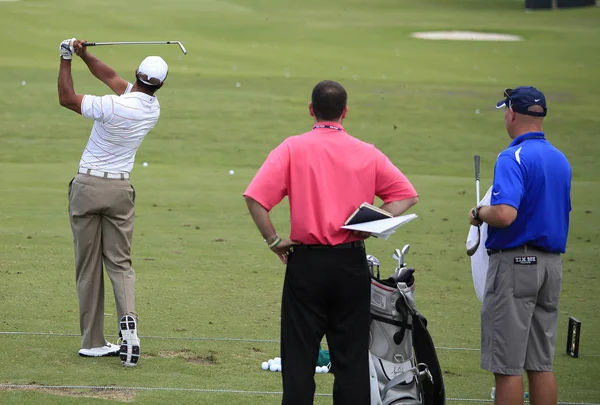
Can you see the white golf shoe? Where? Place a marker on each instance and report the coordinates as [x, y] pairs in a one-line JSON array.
[[130, 343], [107, 350]]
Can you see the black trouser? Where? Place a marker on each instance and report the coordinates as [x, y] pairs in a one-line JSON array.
[[326, 292]]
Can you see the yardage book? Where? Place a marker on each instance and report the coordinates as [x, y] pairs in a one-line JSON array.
[[381, 228], [367, 213]]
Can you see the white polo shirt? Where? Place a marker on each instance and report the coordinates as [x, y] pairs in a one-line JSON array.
[[121, 123]]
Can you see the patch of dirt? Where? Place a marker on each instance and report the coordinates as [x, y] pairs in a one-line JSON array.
[[448, 372], [189, 356], [121, 395]]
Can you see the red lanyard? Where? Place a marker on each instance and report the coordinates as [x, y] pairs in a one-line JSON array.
[[328, 127]]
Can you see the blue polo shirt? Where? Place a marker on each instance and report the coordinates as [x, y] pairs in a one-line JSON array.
[[534, 177]]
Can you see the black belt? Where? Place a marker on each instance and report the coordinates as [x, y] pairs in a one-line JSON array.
[[494, 251], [349, 245]]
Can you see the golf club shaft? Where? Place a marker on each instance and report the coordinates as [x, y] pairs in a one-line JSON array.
[[471, 251], [139, 43], [477, 161]]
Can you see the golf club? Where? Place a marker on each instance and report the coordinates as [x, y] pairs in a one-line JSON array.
[[477, 159], [140, 43], [399, 256], [471, 250], [373, 262], [403, 253]]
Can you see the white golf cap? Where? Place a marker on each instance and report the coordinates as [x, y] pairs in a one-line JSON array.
[[155, 70]]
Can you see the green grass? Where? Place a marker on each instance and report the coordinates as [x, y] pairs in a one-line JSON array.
[[203, 270]]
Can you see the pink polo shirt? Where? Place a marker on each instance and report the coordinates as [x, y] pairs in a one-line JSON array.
[[326, 175]]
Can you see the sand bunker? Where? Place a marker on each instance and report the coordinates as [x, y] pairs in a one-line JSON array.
[[465, 36]]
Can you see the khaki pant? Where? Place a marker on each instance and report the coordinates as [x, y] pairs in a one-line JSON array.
[[101, 213], [519, 315]]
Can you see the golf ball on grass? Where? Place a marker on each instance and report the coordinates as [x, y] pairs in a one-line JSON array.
[[231, 172], [145, 164], [272, 365]]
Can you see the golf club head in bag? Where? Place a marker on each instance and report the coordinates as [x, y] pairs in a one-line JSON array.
[[399, 256], [403, 274], [373, 263]]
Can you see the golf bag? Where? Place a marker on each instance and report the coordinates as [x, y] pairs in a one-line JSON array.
[[403, 364]]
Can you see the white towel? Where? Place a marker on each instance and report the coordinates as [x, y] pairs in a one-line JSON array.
[[480, 260]]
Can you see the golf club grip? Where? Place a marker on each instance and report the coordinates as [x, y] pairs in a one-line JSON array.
[[477, 159], [89, 44]]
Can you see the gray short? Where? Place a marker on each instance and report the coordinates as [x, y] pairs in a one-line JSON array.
[[519, 314]]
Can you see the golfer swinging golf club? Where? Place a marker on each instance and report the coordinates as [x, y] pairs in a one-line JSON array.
[[101, 198]]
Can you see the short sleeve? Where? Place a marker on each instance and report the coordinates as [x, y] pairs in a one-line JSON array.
[[98, 108], [508, 181], [391, 184], [269, 186]]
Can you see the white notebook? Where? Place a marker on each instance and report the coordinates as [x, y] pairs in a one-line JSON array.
[[382, 228]]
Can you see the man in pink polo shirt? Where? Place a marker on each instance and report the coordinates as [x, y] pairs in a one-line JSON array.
[[326, 175]]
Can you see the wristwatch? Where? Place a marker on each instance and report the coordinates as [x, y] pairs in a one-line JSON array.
[[475, 213]]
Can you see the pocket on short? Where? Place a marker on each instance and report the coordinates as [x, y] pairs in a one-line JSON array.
[[492, 274], [70, 187], [525, 280], [130, 193]]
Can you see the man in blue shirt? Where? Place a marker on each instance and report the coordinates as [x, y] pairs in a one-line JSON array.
[[528, 223]]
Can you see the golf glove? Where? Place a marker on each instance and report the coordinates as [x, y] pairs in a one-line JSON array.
[[66, 49]]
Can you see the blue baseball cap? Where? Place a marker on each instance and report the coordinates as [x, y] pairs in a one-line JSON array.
[[521, 98]]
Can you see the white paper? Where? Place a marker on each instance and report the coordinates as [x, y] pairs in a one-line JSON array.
[[382, 228], [480, 259]]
